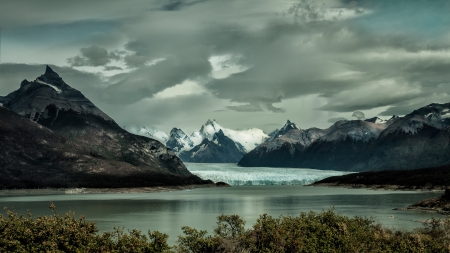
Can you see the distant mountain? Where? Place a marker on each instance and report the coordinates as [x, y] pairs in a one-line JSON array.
[[220, 149], [244, 141], [248, 139], [97, 152], [179, 141], [279, 132], [420, 139], [152, 133]]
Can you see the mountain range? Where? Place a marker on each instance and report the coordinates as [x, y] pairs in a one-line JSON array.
[[53, 136], [212, 143], [418, 140]]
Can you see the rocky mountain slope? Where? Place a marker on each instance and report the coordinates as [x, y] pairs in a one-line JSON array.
[[419, 139], [109, 155]]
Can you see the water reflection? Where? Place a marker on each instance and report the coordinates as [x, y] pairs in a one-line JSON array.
[[169, 211]]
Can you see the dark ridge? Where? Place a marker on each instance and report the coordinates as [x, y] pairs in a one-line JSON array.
[[436, 177]]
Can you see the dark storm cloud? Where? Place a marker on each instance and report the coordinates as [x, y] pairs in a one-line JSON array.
[[92, 56], [399, 110], [307, 50], [11, 75], [369, 101], [109, 68], [350, 55], [188, 111], [135, 61], [146, 81], [175, 5]]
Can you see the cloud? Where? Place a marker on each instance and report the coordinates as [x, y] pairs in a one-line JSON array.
[[109, 68], [92, 56], [256, 107], [334, 120], [176, 5], [310, 49], [135, 61], [375, 56], [147, 81]]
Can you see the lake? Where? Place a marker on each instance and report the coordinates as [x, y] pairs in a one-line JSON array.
[[169, 211]]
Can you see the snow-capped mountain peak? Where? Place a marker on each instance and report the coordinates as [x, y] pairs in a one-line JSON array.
[[209, 129], [179, 141], [287, 126], [153, 133], [249, 138], [434, 115]]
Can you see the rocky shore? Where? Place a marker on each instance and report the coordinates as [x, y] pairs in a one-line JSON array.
[[439, 205], [389, 187], [57, 191], [426, 179]]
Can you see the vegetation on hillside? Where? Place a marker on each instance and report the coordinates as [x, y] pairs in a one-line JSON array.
[[308, 232]]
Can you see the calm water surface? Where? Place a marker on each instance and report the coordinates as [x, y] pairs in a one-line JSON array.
[[169, 211]]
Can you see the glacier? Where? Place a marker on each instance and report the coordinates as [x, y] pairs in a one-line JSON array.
[[235, 175]]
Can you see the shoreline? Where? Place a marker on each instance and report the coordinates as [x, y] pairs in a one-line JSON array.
[[71, 191], [432, 205], [384, 187]]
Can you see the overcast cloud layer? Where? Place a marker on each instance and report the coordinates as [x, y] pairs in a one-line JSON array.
[[252, 63]]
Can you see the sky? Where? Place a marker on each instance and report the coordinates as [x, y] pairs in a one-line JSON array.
[[246, 63]]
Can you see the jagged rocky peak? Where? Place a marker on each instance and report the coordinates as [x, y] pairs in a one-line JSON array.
[[289, 125], [286, 128], [432, 115], [220, 149], [209, 129], [179, 140], [359, 130], [33, 98], [52, 78], [177, 133], [376, 120], [218, 134]]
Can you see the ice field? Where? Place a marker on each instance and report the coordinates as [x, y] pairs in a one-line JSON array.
[[235, 175]]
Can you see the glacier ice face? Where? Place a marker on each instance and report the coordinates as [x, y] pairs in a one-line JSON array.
[[235, 175]]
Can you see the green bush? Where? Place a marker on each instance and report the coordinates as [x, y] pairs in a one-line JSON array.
[[308, 232], [314, 232], [56, 233]]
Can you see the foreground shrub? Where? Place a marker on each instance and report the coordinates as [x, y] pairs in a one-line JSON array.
[[314, 232], [308, 232], [56, 233]]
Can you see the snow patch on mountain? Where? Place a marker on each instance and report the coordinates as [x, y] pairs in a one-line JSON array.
[[153, 133], [283, 130], [196, 137], [58, 90], [179, 141], [435, 115], [357, 130], [249, 138]]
